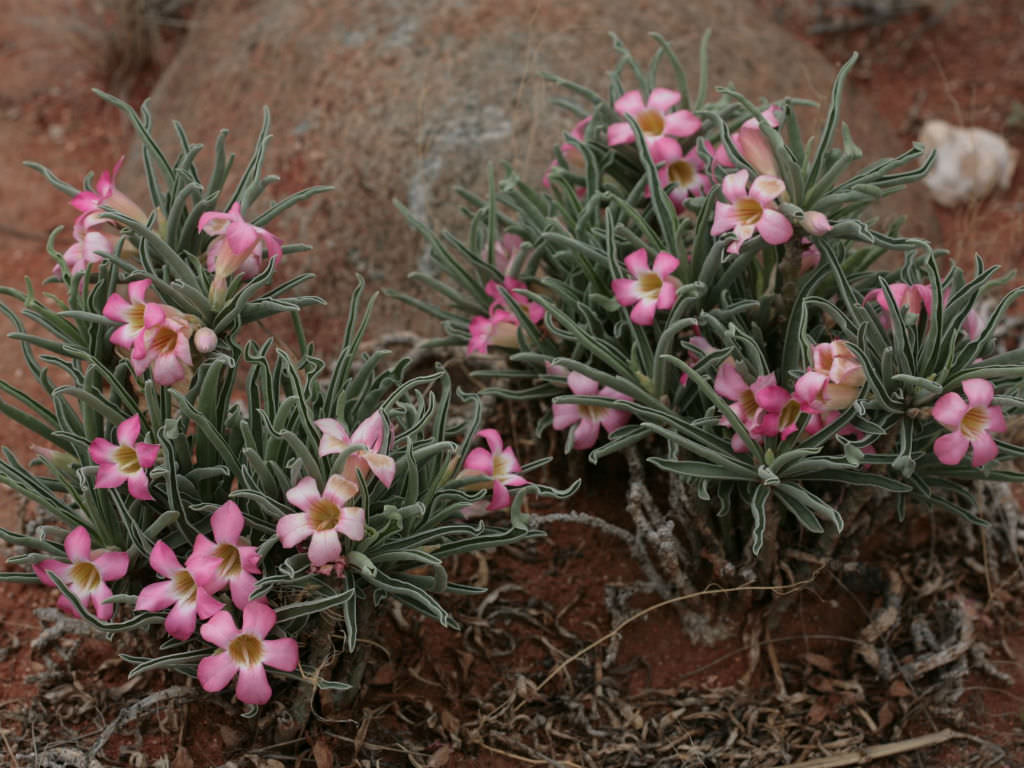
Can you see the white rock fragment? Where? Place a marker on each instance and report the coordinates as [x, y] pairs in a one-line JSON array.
[[969, 162]]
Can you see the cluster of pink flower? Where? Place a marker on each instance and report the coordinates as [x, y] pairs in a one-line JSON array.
[[916, 299], [768, 410], [500, 326], [228, 561], [91, 239], [238, 247], [157, 335]]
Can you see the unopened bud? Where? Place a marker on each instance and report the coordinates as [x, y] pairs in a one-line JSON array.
[[205, 340], [815, 222]]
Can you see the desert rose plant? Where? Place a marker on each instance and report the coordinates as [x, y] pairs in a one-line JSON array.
[[245, 496], [695, 283]]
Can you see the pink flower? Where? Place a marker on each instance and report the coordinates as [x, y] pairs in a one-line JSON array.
[[971, 422], [181, 590], [132, 314], [810, 256], [237, 246], [497, 463], [751, 402], [685, 174], [230, 562], [89, 248], [704, 346], [323, 517], [915, 299], [245, 651], [651, 289], [370, 435], [533, 310], [660, 128], [125, 462], [498, 329], [574, 158], [815, 223], [751, 143], [107, 193], [163, 345], [506, 249], [749, 211], [834, 381], [86, 575], [205, 340], [589, 418]]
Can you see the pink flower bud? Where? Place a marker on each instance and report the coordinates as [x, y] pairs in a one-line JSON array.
[[815, 222], [205, 340]]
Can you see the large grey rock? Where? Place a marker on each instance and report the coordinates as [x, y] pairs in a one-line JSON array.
[[407, 98]]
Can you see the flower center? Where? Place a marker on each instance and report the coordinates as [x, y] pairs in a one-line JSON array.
[[85, 576], [651, 122], [246, 650], [974, 423], [500, 467], [748, 403], [592, 412], [682, 173], [748, 210], [789, 414], [127, 459], [230, 560], [650, 284], [324, 515], [164, 341], [185, 586], [135, 314]]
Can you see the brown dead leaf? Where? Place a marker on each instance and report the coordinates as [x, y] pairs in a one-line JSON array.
[[824, 663], [899, 690], [817, 712], [322, 754], [886, 715], [385, 674], [440, 758], [182, 759]]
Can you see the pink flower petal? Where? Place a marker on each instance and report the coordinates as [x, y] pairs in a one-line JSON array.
[[996, 422], [564, 414], [50, 564], [586, 434], [303, 494], [729, 383], [258, 619], [644, 311], [682, 123], [181, 621], [979, 392], [281, 653], [227, 523], [500, 498], [766, 188], [156, 597], [352, 523], [78, 545], [949, 410], [371, 432], [101, 450], [774, 227], [116, 308], [220, 630], [725, 219], [112, 565], [339, 490], [625, 290], [734, 186], [103, 610], [637, 262], [662, 99], [480, 460], [580, 384], [291, 529], [138, 486], [383, 467], [631, 103], [619, 133], [614, 419], [215, 671], [147, 454], [324, 547], [950, 449], [665, 264], [163, 561], [252, 687], [667, 295], [241, 588], [984, 449]]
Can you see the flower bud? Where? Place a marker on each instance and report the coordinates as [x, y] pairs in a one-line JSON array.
[[815, 222], [205, 340]]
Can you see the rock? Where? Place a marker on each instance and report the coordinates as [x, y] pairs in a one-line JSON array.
[[970, 163], [403, 99]]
